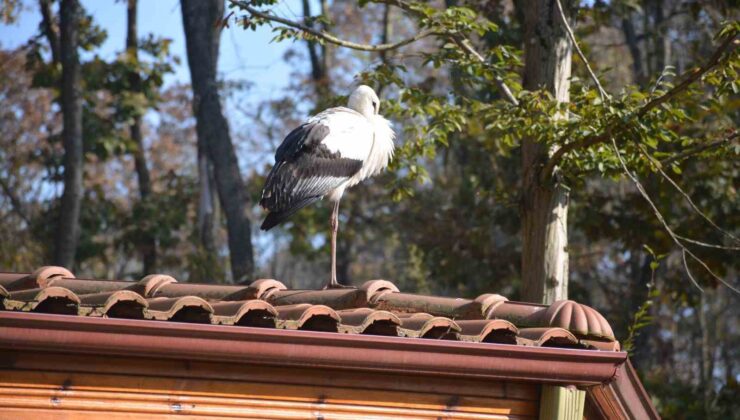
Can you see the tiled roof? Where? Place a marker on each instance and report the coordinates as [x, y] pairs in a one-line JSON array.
[[377, 307]]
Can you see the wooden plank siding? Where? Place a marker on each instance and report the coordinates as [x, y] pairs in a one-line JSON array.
[[37, 386]]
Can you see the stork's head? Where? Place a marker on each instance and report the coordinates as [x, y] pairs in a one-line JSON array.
[[365, 101]]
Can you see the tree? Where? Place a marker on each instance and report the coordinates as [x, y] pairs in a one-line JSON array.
[[544, 212], [149, 244], [202, 33], [68, 227]]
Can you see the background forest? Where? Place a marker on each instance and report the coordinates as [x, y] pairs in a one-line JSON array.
[[144, 160]]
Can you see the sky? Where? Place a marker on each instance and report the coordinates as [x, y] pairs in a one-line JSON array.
[[245, 55]]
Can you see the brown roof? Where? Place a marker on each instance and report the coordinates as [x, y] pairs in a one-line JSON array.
[[377, 307], [489, 337]]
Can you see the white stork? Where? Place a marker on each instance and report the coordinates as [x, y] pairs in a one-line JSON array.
[[330, 152]]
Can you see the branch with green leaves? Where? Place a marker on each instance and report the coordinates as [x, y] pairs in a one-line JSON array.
[[452, 35], [608, 135], [701, 148], [619, 127], [327, 37]]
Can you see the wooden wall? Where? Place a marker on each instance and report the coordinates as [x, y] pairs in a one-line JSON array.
[[38, 386]]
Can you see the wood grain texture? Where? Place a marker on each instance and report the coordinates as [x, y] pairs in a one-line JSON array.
[[40, 385], [258, 373], [95, 394]]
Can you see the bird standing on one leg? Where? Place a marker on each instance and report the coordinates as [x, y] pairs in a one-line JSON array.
[[330, 152]]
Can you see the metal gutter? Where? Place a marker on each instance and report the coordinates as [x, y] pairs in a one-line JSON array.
[[394, 355]]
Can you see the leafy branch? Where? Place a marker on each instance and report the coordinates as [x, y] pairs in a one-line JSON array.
[[701, 148], [329, 37], [619, 126], [452, 35], [608, 134]]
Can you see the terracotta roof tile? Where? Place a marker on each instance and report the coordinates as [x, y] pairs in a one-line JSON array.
[[377, 307], [254, 313], [488, 331], [550, 337], [116, 304], [369, 321]]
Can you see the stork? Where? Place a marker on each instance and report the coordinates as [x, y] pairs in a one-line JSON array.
[[330, 152]]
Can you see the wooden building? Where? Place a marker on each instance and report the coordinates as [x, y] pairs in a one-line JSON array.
[[74, 348]]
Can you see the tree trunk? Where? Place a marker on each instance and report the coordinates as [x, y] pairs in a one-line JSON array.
[[68, 227], [206, 207], [544, 212], [662, 44], [319, 74], [49, 29], [385, 36], [708, 325], [644, 348], [630, 37], [202, 35], [148, 245]]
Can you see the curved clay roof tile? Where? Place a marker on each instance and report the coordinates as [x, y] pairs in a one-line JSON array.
[[149, 285], [99, 304], [167, 309], [30, 300], [577, 318], [366, 320], [375, 288], [483, 330], [429, 327], [263, 288], [547, 336], [294, 317], [240, 312]]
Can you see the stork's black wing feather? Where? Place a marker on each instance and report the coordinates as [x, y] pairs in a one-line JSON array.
[[305, 170]]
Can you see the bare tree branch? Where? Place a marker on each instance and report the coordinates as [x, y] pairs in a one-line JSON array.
[[18, 206], [707, 245], [667, 228], [604, 96], [688, 271], [618, 127], [461, 41], [700, 148], [329, 37], [655, 164], [50, 29]]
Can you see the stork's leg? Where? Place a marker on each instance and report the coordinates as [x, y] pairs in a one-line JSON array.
[[333, 283]]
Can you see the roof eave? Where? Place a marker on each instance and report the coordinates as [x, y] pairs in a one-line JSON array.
[[624, 397], [107, 336]]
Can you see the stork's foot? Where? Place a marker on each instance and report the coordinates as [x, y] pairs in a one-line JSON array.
[[336, 285]]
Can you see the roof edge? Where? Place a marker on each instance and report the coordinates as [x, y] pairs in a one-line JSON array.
[[171, 340], [624, 397]]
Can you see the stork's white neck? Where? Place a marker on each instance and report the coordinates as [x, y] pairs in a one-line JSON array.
[[365, 101]]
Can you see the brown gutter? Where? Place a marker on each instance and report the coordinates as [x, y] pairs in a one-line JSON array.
[[128, 337], [625, 397]]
